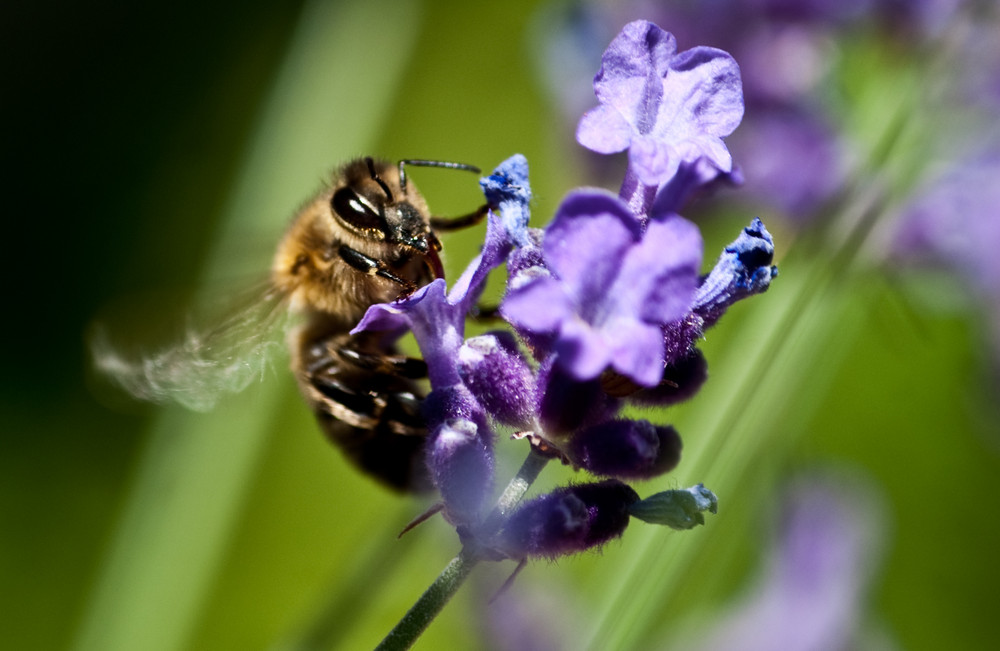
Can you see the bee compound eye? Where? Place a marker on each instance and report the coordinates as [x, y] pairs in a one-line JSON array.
[[356, 211]]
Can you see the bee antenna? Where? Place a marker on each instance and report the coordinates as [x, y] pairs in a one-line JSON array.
[[378, 179], [417, 162]]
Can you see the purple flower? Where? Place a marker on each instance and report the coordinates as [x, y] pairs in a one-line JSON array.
[[567, 520], [811, 593], [628, 449], [953, 223], [665, 107], [492, 368], [610, 288], [460, 442], [743, 269]]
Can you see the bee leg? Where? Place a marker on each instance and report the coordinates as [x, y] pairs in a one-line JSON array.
[[463, 221], [399, 365], [398, 412], [372, 267]]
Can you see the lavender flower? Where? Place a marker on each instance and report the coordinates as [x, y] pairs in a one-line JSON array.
[[568, 520], [608, 303], [665, 107], [460, 442], [810, 594], [952, 224], [610, 289]]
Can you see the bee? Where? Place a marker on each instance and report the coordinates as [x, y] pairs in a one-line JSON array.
[[367, 238]]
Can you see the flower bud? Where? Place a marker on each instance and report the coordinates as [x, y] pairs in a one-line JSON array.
[[568, 520], [630, 449], [494, 371], [678, 509], [743, 269], [681, 380], [459, 452]]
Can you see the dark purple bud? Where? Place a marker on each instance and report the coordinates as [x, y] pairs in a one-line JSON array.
[[681, 380], [461, 464], [743, 269], [608, 505], [494, 371], [567, 404], [630, 449], [459, 452], [568, 520]]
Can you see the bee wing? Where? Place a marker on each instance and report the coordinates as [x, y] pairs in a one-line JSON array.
[[206, 364]]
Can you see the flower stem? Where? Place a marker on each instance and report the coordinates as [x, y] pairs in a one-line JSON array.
[[413, 623], [521, 482], [433, 600]]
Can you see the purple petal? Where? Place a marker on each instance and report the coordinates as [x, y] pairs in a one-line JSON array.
[[539, 306], [586, 240], [636, 350], [631, 71], [702, 95], [581, 350], [659, 276], [604, 130]]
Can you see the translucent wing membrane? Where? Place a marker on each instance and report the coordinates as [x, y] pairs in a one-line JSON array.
[[206, 364]]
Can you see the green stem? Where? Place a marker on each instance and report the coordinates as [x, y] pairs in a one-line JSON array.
[[518, 486], [413, 623], [433, 600]]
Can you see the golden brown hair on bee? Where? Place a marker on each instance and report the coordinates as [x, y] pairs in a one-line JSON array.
[[366, 213], [365, 239]]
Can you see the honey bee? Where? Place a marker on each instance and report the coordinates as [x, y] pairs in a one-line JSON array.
[[367, 238]]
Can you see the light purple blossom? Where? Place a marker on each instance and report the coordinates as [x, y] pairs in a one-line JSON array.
[[810, 594], [460, 443], [665, 107], [953, 224], [611, 287]]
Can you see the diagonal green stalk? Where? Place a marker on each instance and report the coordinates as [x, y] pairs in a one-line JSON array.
[[437, 595]]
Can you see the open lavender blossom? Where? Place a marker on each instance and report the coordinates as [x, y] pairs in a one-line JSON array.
[[667, 108], [610, 289], [607, 304]]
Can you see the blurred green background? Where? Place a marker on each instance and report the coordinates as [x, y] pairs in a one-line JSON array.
[[154, 156]]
